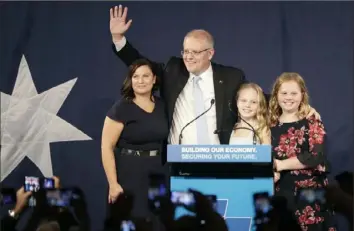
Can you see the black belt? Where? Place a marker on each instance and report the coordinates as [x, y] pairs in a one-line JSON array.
[[131, 152]]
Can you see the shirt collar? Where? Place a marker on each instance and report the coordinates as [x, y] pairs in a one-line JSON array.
[[208, 72]]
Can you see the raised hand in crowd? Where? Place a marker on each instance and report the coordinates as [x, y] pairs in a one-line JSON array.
[[21, 200], [166, 213], [9, 222], [206, 215]]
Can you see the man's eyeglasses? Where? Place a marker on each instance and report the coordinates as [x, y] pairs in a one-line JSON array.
[[193, 53]]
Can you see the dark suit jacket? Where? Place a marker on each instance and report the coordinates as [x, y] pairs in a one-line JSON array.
[[174, 76]]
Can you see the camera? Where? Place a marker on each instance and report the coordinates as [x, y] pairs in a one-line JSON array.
[[33, 184], [127, 225], [263, 205], [157, 190], [61, 197]]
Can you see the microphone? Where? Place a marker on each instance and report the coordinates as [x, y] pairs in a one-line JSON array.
[[218, 131], [180, 135], [255, 136]]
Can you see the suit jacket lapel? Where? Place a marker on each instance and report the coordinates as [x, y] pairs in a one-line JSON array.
[[219, 89], [182, 81]]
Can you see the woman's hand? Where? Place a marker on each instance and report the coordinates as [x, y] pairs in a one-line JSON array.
[[313, 112], [276, 177], [114, 191], [277, 165]]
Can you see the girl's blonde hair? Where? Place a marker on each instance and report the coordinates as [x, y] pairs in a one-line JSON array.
[[261, 115], [274, 108]]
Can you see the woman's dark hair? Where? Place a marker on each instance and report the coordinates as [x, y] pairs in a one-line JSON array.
[[127, 89]]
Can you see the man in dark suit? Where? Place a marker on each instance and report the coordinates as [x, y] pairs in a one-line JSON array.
[[190, 85], [219, 84]]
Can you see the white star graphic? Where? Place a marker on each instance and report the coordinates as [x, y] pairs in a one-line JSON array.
[[29, 123]]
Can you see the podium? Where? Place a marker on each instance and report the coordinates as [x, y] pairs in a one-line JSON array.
[[231, 172]]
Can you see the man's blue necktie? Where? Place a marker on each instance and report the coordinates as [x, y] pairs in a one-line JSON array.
[[202, 126]]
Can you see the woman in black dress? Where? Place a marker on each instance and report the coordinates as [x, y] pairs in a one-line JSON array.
[[298, 149], [135, 129]]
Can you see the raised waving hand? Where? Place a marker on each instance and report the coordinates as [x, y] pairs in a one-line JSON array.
[[118, 24]]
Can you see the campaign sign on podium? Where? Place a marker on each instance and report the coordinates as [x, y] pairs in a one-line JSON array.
[[219, 153], [234, 194]]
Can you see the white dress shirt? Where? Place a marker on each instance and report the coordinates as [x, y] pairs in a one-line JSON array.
[[241, 140], [184, 108]]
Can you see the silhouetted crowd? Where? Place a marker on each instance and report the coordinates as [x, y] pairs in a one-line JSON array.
[[58, 209]]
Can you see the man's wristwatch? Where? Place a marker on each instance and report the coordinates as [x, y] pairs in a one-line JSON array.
[[13, 214]]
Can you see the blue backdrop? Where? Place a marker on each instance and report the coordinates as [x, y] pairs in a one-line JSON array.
[[65, 40]]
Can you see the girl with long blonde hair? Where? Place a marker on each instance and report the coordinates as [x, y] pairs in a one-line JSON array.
[[252, 125], [298, 152]]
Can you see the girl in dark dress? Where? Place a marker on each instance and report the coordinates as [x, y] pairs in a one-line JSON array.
[[298, 148], [135, 129]]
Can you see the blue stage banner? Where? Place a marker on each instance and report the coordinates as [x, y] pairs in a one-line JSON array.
[[219, 153], [234, 197]]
